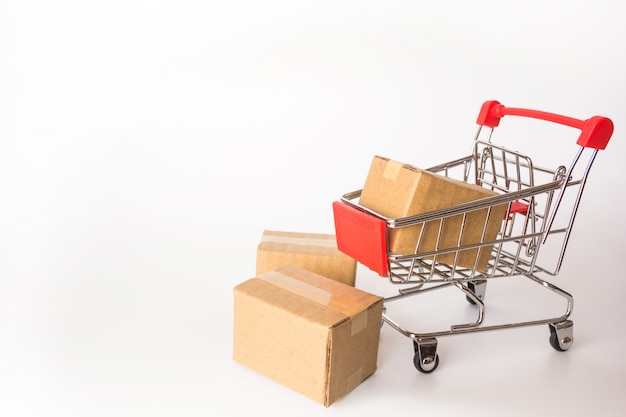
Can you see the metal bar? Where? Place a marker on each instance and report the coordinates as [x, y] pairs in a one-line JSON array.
[[458, 329]]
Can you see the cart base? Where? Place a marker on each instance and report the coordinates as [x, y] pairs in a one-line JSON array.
[[426, 358]]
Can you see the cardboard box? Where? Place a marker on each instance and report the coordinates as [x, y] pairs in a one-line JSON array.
[[396, 190], [310, 333], [315, 252]]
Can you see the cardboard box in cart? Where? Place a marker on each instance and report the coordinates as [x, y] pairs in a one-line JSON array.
[[396, 190], [315, 252], [310, 333]]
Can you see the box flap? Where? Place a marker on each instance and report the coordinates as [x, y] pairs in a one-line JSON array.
[[310, 307], [340, 298], [312, 296]]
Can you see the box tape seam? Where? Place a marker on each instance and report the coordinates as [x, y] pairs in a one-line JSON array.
[[354, 379], [331, 243], [354, 310], [292, 285], [392, 169]]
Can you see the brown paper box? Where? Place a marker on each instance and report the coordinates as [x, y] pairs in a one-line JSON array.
[[397, 190], [315, 252], [310, 333]]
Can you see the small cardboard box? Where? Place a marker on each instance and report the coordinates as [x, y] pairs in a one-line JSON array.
[[315, 252], [310, 333], [396, 190]]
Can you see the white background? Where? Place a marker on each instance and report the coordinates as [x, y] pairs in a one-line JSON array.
[[145, 145]]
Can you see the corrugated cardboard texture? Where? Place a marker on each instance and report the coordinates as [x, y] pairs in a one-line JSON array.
[[315, 252], [398, 190], [310, 333]]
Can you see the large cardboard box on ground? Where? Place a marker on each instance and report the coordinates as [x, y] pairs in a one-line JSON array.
[[396, 190], [315, 252], [310, 333]]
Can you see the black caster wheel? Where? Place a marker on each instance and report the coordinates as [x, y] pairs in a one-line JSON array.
[[561, 335], [426, 365], [426, 358]]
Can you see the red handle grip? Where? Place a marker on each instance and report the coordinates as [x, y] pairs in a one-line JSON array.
[[595, 132]]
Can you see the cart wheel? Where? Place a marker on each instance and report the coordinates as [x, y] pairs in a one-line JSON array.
[[426, 358], [561, 335], [429, 364]]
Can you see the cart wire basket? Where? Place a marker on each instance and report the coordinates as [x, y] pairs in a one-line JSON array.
[[540, 205]]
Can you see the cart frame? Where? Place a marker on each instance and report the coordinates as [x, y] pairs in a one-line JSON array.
[[540, 203]]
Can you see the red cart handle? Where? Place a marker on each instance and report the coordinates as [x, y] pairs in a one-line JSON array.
[[595, 132]]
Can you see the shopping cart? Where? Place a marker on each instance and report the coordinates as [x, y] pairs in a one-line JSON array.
[[540, 205]]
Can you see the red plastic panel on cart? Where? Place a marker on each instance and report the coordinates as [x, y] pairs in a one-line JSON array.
[[519, 207], [361, 236]]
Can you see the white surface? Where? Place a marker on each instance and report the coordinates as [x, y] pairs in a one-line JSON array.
[[145, 145]]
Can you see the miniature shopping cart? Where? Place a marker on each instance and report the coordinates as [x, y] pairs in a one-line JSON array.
[[540, 204]]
